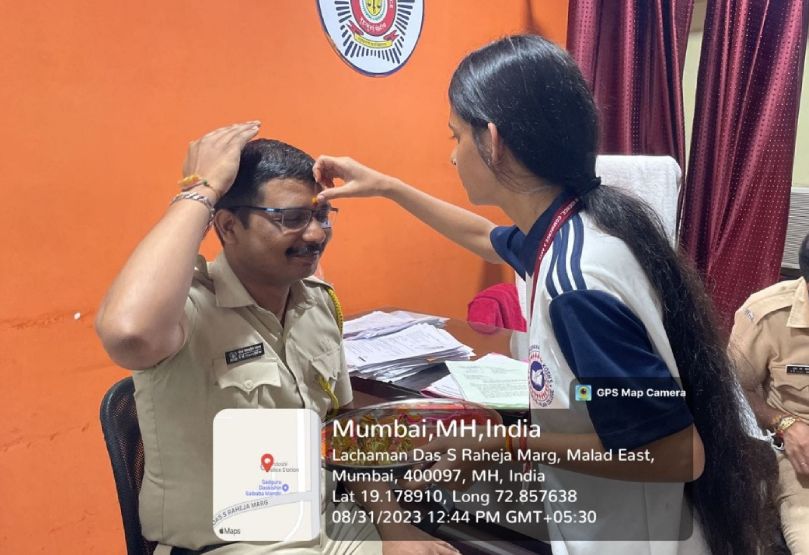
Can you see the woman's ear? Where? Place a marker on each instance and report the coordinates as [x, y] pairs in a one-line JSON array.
[[496, 144]]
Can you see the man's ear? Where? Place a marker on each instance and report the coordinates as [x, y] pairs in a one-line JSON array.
[[224, 221], [496, 145]]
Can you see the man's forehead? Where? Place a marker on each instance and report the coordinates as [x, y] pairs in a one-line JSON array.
[[289, 190]]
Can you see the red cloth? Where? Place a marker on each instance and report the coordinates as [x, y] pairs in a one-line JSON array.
[[497, 306], [632, 54], [735, 202]]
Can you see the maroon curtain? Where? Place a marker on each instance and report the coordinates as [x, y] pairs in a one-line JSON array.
[[632, 53], [735, 203]]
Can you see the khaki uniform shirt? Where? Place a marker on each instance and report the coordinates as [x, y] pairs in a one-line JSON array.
[[237, 355], [770, 345]]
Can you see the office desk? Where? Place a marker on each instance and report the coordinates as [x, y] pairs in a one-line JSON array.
[[469, 539]]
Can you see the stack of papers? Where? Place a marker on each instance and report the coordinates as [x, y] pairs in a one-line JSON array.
[[400, 354], [383, 323], [496, 381]]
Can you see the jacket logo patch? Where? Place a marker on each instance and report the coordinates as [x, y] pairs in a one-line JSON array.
[[540, 379], [245, 353], [798, 369]]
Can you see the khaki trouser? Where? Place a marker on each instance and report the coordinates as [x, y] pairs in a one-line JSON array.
[[793, 500]]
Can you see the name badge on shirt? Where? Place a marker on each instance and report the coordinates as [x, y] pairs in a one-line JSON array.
[[798, 369], [246, 353]]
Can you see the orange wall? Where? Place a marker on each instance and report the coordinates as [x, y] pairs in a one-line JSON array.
[[98, 101]]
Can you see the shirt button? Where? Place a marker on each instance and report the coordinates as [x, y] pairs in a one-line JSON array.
[[248, 385]]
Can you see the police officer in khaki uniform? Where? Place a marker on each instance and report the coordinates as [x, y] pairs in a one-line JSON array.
[[251, 329], [770, 345]]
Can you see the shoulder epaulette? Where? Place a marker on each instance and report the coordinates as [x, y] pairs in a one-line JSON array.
[[338, 309], [764, 302]]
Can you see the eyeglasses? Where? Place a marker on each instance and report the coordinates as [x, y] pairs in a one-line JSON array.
[[297, 219]]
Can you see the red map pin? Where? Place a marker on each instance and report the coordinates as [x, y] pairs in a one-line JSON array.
[[266, 462]]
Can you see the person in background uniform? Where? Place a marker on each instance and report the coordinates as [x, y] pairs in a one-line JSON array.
[[251, 329], [770, 344], [608, 299]]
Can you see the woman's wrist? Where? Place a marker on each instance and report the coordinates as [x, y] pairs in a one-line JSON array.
[[390, 188]]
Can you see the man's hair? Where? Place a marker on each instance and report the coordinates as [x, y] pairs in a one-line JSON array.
[[263, 160], [803, 258]]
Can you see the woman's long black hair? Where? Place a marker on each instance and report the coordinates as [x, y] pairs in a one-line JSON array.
[[535, 94]]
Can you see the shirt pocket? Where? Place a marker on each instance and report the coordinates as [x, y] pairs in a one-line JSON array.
[[239, 384], [325, 368], [327, 365], [789, 384]]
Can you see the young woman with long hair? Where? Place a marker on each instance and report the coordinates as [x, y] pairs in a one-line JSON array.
[[610, 303]]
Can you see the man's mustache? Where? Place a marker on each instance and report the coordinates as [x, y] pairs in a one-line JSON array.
[[306, 250]]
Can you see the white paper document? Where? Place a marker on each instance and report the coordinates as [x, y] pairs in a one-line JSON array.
[[494, 380], [400, 354], [383, 323], [445, 387]]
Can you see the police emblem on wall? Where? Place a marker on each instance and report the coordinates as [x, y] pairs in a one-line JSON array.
[[375, 37]]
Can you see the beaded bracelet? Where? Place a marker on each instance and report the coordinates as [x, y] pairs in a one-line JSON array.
[[192, 181], [189, 181], [190, 195]]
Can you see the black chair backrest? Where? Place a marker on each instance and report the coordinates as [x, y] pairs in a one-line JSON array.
[[119, 422]]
